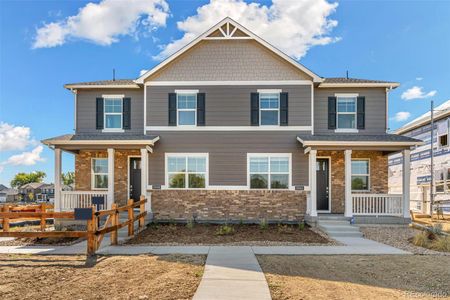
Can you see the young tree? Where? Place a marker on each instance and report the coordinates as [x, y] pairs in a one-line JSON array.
[[68, 178], [24, 178]]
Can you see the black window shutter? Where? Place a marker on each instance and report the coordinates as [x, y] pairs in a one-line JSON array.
[[172, 109], [99, 113], [332, 112], [254, 107], [126, 116], [361, 113], [283, 109], [201, 109]]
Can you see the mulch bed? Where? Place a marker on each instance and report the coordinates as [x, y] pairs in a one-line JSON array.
[[206, 234], [41, 242]]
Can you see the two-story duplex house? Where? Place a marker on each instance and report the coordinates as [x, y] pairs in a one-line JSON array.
[[231, 128]]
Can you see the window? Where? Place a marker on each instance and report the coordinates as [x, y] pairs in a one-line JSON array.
[[360, 175], [346, 112], [269, 171], [113, 113], [187, 171], [440, 182], [187, 108], [269, 108], [99, 173], [443, 140]]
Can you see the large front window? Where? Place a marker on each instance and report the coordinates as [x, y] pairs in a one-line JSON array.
[[269, 108], [346, 112], [113, 113], [269, 171], [187, 109], [360, 175], [187, 171], [99, 173]]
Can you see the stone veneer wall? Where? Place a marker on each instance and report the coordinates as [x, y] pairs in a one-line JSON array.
[[378, 174], [231, 205], [83, 171]]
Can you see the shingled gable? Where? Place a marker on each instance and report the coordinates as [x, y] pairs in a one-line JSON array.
[[228, 29]]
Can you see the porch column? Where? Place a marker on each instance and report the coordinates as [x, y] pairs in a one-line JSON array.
[[110, 199], [348, 184], [144, 177], [57, 179], [406, 181], [313, 183]]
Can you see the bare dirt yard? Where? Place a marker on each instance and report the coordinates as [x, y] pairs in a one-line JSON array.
[[357, 277], [114, 277], [207, 234]]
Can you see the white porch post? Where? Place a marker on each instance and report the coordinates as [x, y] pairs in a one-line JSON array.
[[144, 177], [348, 184], [110, 199], [57, 179], [406, 181], [313, 183]]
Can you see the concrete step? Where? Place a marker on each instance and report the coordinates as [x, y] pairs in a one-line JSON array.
[[338, 228], [344, 234], [332, 217], [333, 222]]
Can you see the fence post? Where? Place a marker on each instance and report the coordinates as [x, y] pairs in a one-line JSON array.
[[114, 222], [130, 217], [6, 220], [91, 238], [142, 210], [43, 219]]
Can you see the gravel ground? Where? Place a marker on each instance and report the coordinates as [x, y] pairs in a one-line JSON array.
[[396, 236]]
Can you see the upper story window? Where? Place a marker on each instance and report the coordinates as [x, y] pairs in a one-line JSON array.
[[186, 171], [99, 173], [346, 112], [113, 113], [269, 171], [187, 109], [269, 108], [360, 175]]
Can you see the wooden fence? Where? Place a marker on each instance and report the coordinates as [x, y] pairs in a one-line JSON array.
[[93, 233]]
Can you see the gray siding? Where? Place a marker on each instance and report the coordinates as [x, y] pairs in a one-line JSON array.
[[229, 105], [228, 153], [86, 113], [375, 109]]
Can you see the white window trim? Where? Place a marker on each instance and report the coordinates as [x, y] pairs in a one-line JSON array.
[[187, 155], [270, 155], [115, 97], [368, 175], [187, 92], [93, 174], [346, 130], [262, 92]]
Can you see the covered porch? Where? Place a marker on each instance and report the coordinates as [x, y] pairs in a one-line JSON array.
[[103, 167], [348, 175]]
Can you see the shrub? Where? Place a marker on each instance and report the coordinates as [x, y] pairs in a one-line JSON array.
[[441, 244], [190, 224], [301, 225], [421, 239], [225, 230], [263, 224]]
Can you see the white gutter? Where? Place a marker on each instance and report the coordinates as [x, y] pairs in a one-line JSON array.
[[100, 142], [357, 143]]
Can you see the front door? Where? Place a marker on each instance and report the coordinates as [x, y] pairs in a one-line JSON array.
[[135, 178], [323, 180]]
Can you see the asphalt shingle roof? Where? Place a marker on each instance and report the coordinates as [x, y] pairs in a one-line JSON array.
[[106, 82], [101, 137], [352, 80], [356, 138]]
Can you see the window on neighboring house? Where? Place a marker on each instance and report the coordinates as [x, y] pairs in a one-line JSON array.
[[346, 112], [360, 175], [99, 173], [113, 113], [187, 171], [187, 108], [269, 171], [440, 182], [443, 140], [269, 108]]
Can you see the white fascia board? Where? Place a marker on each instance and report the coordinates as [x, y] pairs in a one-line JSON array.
[[231, 83], [289, 59], [356, 143], [86, 86], [228, 128], [102, 142], [359, 85]]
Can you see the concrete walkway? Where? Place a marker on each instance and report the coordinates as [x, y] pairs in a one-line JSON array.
[[232, 273]]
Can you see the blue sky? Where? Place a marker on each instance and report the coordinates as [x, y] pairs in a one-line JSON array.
[[404, 41]]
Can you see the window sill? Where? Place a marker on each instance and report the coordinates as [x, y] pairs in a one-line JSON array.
[[346, 130], [113, 130]]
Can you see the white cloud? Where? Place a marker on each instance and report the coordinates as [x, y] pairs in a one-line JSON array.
[[25, 158], [292, 26], [103, 23], [142, 72], [402, 116], [14, 137], [416, 92], [419, 78]]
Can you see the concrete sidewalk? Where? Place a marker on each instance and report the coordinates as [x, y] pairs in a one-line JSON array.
[[232, 273]]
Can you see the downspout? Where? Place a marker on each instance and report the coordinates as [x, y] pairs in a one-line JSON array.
[[387, 107], [74, 91]]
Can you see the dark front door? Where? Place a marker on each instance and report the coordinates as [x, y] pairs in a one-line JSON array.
[[135, 178], [323, 179]]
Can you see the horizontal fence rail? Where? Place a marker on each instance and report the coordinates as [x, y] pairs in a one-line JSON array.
[[80, 199], [377, 204]]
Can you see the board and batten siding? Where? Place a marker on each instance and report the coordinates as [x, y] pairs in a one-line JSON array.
[[375, 112], [86, 109], [227, 153], [229, 105]]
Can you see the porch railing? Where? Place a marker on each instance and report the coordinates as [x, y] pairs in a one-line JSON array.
[[79, 199], [377, 204]]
